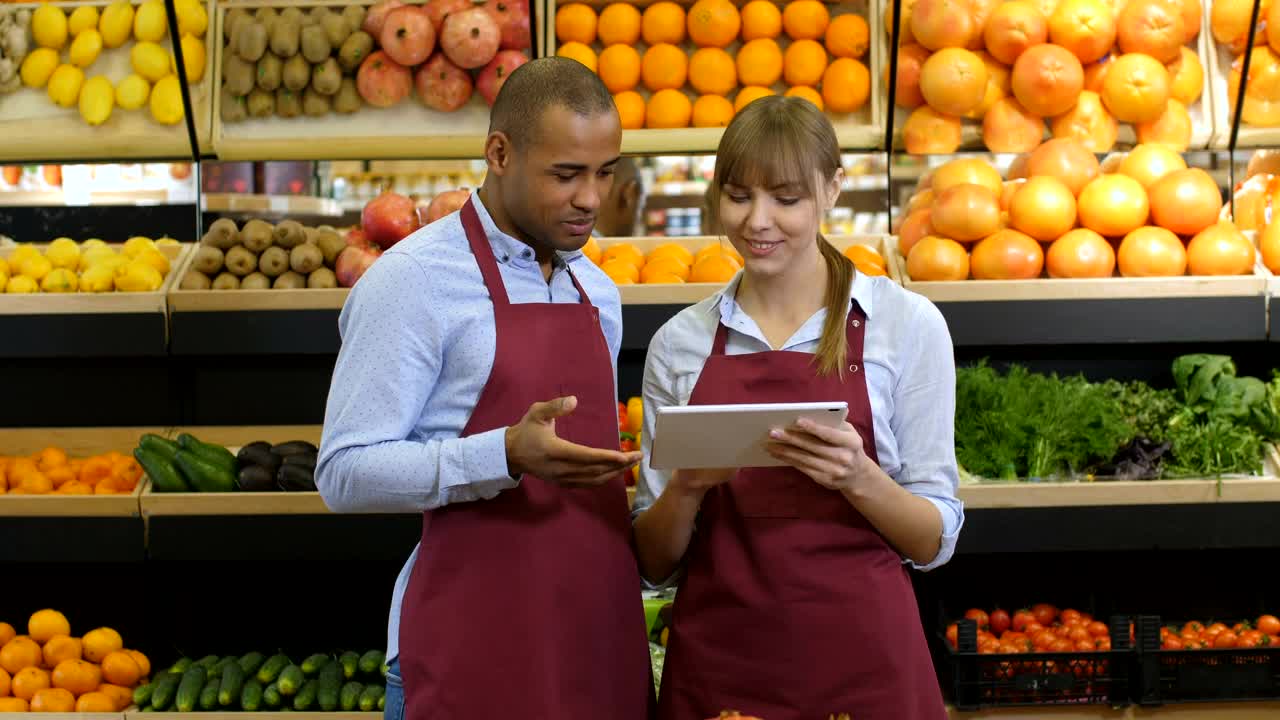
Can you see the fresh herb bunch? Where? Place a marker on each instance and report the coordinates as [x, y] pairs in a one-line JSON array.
[[1146, 409]]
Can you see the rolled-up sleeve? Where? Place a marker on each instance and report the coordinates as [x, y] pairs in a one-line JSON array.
[[657, 390]]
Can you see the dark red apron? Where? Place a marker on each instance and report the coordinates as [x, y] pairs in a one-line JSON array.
[[528, 604], [793, 607]]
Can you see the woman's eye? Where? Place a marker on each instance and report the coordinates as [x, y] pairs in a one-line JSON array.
[[737, 198], [788, 200]]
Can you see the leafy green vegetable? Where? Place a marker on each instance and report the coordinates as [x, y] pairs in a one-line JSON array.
[[1146, 409]]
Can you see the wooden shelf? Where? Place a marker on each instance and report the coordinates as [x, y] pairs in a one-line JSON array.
[[235, 503], [82, 303], [287, 205]]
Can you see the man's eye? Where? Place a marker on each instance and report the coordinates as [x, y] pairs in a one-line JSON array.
[[565, 178]]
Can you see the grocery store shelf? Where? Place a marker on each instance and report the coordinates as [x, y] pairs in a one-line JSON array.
[[283, 537], [851, 136], [94, 334], [256, 332], [287, 205], [155, 504], [1113, 494]]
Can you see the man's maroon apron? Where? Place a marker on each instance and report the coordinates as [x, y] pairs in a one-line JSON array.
[[793, 607], [528, 604]]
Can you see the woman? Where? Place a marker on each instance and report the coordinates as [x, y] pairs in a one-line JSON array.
[[794, 603]]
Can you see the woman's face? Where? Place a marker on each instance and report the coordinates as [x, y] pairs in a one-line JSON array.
[[772, 227]]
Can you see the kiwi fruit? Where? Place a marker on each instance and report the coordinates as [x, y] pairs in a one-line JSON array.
[[348, 99], [261, 103], [354, 50], [241, 262], [237, 76], [232, 108], [315, 44], [312, 235], [274, 261], [289, 234], [256, 235], [196, 280], [292, 14], [250, 40], [255, 281], [268, 17], [322, 278], [315, 105], [297, 73], [326, 78], [270, 70], [305, 259], [354, 15], [208, 260], [290, 281], [226, 281], [336, 29], [285, 37], [234, 17], [288, 103], [222, 234], [330, 244], [317, 16]]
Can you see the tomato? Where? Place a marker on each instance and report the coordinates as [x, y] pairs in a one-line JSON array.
[[953, 635], [1062, 631], [1079, 634], [1061, 645], [1084, 645], [1269, 625], [622, 416], [1193, 627], [1171, 643], [1043, 640], [1034, 626], [1273, 641], [1000, 621], [1215, 629], [1240, 627], [1070, 617], [1010, 648], [1022, 619], [1225, 639], [1250, 639], [1086, 618], [1103, 644], [978, 616], [989, 647], [1099, 629], [1045, 613]]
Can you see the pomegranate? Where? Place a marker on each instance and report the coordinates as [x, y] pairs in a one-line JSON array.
[[408, 37], [496, 72], [470, 38], [445, 203], [388, 219], [356, 237], [352, 263], [377, 16], [383, 82], [438, 10], [512, 17], [442, 85]]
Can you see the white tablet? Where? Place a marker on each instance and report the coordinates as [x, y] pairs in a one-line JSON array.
[[729, 436]]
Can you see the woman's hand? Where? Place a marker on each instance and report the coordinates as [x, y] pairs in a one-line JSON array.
[[833, 457]]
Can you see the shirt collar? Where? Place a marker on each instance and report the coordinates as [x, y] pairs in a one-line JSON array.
[[727, 304], [506, 248]]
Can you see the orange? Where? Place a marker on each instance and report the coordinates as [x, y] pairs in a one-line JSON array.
[[591, 251], [668, 109], [101, 642], [59, 476], [121, 696], [749, 93], [712, 111], [761, 19], [51, 457], [805, 19], [20, 652], [717, 249], [28, 681], [621, 272], [127, 470], [53, 700], [662, 267], [665, 67], [144, 663], [807, 93], [44, 624], [5, 683], [623, 251], [864, 254], [576, 22], [620, 68], [619, 23], [867, 268], [712, 72], [1136, 88], [804, 62], [75, 487], [78, 676], [937, 259], [846, 85], [36, 483], [580, 52], [95, 469], [7, 633], [673, 250], [663, 22], [62, 647], [13, 705], [714, 269], [713, 23], [119, 668], [759, 63], [848, 36], [630, 109], [95, 702]]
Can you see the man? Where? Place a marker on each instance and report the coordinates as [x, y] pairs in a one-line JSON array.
[[619, 211], [476, 384]]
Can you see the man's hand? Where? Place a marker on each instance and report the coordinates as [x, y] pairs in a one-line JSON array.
[[534, 449]]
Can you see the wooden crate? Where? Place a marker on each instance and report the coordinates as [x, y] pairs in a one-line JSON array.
[[77, 442], [180, 300], [406, 130], [32, 127], [100, 303], [860, 130]]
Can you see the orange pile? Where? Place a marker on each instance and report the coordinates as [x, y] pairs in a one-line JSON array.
[[1229, 22], [1145, 214], [1255, 205], [51, 471], [692, 64], [49, 670], [1075, 72], [670, 262]]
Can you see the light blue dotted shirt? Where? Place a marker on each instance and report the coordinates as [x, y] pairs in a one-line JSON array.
[[417, 347]]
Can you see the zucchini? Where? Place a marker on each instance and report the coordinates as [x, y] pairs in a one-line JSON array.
[[252, 662]]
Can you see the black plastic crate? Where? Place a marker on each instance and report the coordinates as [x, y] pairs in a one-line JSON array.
[[1189, 676], [979, 681]]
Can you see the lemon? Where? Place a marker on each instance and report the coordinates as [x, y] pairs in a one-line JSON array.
[[166, 101], [38, 66], [155, 259], [97, 98], [135, 245], [84, 18], [86, 48], [193, 58], [4, 279], [60, 281], [98, 279], [35, 267], [116, 23], [63, 253], [192, 18], [64, 85], [21, 254], [149, 60], [167, 242], [137, 276], [150, 23], [49, 27], [4, 267], [132, 92], [89, 257], [21, 284], [91, 243]]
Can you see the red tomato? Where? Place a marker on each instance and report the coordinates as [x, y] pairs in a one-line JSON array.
[[1194, 627], [1099, 629], [1269, 625], [1062, 631], [1022, 619], [1031, 627], [1045, 613], [1079, 634], [1240, 627], [1062, 645], [1000, 621], [1103, 644], [1225, 639], [989, 647], [1043, 640], [1086, 617], [1010, 648], [1250, 639], [1274, 641], [1070, 617], [1085, 645], [1171, 643], [1215, 629], [978, 616], [953, 635]]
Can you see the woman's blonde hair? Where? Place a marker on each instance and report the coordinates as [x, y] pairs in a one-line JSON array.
[[780, 141]]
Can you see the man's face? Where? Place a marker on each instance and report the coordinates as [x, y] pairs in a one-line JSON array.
[[557, 182]]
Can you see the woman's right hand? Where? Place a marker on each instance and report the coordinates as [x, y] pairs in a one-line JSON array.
[[698, 482]]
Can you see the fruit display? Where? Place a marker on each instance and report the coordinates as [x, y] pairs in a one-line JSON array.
[[1263, 632], [669, 67], [15, 42], [630, 423], [1212, 423], [262, 256], [51, 471], [186, 464], [65, 266], [50, 670], [1038, 629], [289, 62], [1229, 23], [1061, 214], [1025, 70], [259, 682]]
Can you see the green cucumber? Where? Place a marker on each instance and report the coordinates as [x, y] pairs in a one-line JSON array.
[[251, 695], [251, 662], [164, 447], [209, 662], [382, 702], [232, 683], [164, 475], [349, 698], [290, 680], [271, 696], [270, 670], [222, 664], [209, 695], [142, 694], [371, 662], [205, 476], [193, 681], [215, 454], [311, 666], [369, 698], [166, 686], [350, 663], [330, 685], [181, 666], [306, 697]]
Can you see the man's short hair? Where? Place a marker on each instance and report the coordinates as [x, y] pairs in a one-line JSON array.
[[541, 84]]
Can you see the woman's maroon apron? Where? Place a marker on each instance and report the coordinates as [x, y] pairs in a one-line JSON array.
[[528, 604], [793, 607]]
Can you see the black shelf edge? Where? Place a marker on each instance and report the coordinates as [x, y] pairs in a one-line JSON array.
[[25, 539], [82, 335], [283, 538], [640, 322], [255, 332]]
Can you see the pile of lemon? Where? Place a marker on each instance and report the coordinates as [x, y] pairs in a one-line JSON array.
[[154, 77], [140, 265]]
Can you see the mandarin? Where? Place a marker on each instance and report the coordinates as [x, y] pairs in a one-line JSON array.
[[761, 19], [807, 93], [576, 22], [630, 109], [668, 108], [848, 36], [712, 111], [619, 68], [619, 23], [712, 71]]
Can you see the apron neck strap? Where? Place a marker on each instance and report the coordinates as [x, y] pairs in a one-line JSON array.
[[479, 241], [855, 313]]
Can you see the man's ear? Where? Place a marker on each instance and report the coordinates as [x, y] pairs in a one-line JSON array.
[[631, 197], [498, 152]]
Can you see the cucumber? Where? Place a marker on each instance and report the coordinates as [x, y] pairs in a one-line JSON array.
[[164, 447], [271, 696], [232, 683], [209, 695], [349, 698], [369, 698], [382, 702], [290, 681], [306, 697], [180, 667], [251, 662], [209, 662], [330, 682], [350, 663], [270, 670], [164, 476], [222, 664], [311, 666], [189, 688], [251, 695], [166, 687], [215, 454], [205, 476], [371, 662], [142, 694]]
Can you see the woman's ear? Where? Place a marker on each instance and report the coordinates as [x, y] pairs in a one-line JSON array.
[[833, 189]]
